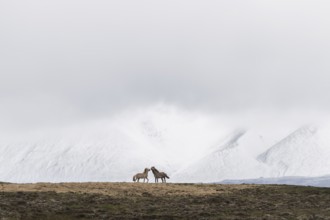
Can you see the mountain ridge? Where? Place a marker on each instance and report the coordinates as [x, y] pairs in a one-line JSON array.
[[190, 149]]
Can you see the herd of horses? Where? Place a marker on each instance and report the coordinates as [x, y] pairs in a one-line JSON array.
[[157, 174]]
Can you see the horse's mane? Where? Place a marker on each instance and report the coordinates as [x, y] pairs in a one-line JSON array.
[[154, 168]]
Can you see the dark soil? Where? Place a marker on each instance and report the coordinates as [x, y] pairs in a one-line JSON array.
[[162, 201]]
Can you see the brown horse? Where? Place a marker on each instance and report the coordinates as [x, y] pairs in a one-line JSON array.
[[143, 176], [159, 175]]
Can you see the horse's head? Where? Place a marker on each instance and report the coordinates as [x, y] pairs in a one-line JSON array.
[[146, 170], [154, 170]]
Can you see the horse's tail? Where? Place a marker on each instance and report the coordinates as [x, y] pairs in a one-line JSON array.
[[134, 178], [166, 176]]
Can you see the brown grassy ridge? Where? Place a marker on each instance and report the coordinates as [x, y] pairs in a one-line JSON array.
[[162, 201]]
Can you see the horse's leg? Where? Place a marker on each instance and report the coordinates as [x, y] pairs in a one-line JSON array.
[[147, 180], [164, 179], [138, 180]]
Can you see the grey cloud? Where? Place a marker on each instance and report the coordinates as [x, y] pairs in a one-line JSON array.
[[97, 57]]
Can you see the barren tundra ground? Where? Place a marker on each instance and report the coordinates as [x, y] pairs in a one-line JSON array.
[[162, 201]]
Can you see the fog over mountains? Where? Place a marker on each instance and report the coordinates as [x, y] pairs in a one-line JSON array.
[[189, 146]]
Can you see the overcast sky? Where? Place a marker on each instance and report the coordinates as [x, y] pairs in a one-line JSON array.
[[75, 59]]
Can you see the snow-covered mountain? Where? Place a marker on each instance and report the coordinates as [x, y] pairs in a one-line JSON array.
[[86, 158], [235, 157], [188, 146], [230, 160], [110, 149], [305, 152]]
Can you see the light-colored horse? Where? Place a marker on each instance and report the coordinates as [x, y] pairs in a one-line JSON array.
[[159, 175], [143, 176]]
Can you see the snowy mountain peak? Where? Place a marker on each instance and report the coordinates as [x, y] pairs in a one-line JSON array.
[[304, 152], [231, 140], [295, 139]]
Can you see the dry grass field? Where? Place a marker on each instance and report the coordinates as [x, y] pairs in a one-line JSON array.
[[162, 201]]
